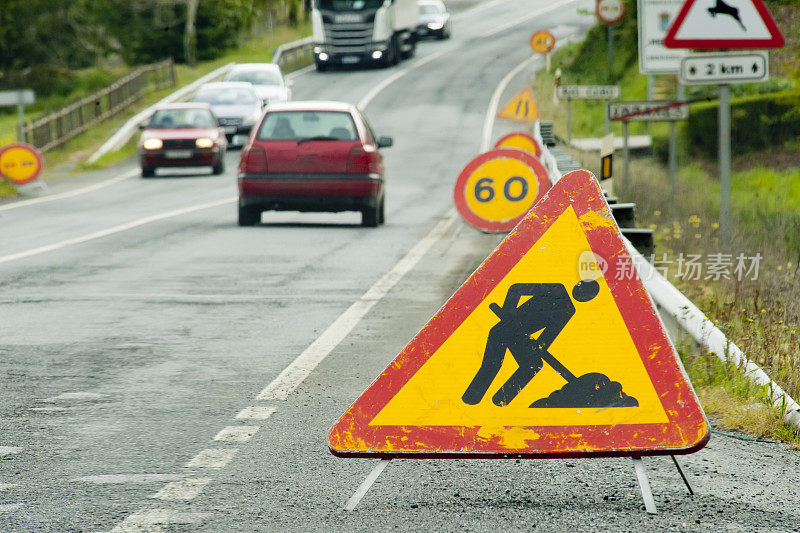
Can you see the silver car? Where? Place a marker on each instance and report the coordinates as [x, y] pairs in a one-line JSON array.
[[266, 78], [236, 105], [434, 19]]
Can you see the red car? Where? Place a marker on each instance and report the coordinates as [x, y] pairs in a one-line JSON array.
[[182, 135], [312, 156]]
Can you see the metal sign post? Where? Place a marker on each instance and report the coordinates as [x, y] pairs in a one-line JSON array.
[[18, 98], [725, 162], [585, 92]]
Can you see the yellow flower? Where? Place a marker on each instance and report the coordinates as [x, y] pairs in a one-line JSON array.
[[780, 321], [652, 226], [789, 264], [696, 235], [763, 310], [657, 213], [780, 267], [715, 225]]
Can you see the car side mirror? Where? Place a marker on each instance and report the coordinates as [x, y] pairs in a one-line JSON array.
[[385, 142], [142, 126]]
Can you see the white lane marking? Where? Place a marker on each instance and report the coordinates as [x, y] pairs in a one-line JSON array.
[[73, 396], [186, 489], [10, 450], [237, 433], [364, 102], [115, 229], [156, 521], [52, 409], [256, 412], [488, 123], [526, 18], [70, 194], [6, 486], [212, 458], [10, 506], [110, 479], [294, 374]]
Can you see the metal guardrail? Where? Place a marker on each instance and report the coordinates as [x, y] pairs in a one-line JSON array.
[[294, 52], [54, 129]]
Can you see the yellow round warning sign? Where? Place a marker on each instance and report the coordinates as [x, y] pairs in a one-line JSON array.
[[497, 188], [521, 141], [20, 163], [543, 42]]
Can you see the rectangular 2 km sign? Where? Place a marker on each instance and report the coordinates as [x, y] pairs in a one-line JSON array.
[[588, 92], [657, 111]]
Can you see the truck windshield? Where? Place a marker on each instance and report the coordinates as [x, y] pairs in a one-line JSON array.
[[349, 5]]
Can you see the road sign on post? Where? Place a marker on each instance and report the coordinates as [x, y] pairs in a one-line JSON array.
[[654, 20], [20, 99], [496, 189], [585, 92], [610, 11], [520, 141], [717, 24], [521, 108], [544, 351], [700, 69], [543, 42]]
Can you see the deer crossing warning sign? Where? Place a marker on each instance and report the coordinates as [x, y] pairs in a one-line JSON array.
[[541, 352]]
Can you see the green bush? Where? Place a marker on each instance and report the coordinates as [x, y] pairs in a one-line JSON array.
[[757, 122]]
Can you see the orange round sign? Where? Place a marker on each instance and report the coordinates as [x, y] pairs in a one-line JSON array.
[[521, 141], [20, 163], [543, 42]]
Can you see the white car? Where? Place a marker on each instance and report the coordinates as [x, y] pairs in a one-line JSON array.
[[266, 79], [236, 105], [434, 19]]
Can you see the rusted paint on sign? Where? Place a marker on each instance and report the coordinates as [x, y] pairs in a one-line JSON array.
[[543, 352]]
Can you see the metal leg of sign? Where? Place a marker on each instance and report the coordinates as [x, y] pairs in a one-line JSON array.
[[683, 476], [366, 484], [626, 152], [610, 53], [644, 484], [725, 163], [569, 120], [21, 122], [673, 160]]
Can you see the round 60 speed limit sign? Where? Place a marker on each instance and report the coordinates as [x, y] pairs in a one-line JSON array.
[[496, 189]]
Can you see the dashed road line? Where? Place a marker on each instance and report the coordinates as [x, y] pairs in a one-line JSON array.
[[10, 450], [212, 458], [6, 486], [4, 507], [109, 479], [156, 521], [186, 489], [526, 18], [256, 412], [236, 433]]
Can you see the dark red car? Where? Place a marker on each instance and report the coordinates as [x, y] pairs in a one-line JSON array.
[[312, 156], [182, 135]]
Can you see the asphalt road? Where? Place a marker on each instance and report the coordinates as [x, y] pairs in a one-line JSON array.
[[140, 326]]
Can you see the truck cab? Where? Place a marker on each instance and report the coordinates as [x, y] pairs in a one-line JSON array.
[[354, 32]]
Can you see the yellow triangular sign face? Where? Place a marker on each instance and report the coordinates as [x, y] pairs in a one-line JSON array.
[[521, 108], [595, 340], [552, 347]]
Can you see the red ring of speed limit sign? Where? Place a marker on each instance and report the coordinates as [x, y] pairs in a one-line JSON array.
[[497, 189]]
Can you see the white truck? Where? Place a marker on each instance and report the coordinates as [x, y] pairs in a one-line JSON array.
[[363, 31]]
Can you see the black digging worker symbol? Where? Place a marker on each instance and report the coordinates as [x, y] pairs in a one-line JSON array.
[[546, 312], [721, 8]]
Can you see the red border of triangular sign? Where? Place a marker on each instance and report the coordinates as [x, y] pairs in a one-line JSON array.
[[775, 41], [685, 432]]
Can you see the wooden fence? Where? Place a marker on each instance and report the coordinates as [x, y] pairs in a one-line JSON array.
[[53, 129]]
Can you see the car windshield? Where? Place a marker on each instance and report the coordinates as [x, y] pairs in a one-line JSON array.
[[226, 96], [306, 125], [257, 77], [349, 5], [429, 9], [182, 118]]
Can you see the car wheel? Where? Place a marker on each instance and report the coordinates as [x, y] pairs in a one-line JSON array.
[[148, 172], [410, 53], [370, 217], [249, 216], [382, 213], [219, 168]]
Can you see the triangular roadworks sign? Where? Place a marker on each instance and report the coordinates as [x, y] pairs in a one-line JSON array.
[[716, 24], [552, 347], [521, 108]]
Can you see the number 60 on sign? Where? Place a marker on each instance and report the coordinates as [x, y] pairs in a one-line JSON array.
[[496, 189]]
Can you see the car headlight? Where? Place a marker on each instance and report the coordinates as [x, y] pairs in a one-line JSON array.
[[152, 144], [435, 25], [204, 142]]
